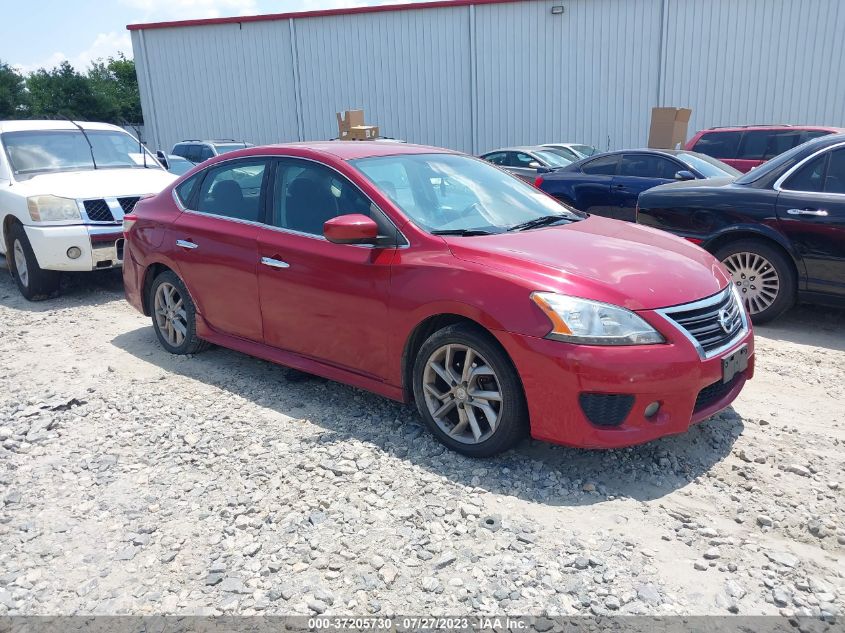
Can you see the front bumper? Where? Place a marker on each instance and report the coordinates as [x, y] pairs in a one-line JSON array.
[[555, 375], [101, 246]]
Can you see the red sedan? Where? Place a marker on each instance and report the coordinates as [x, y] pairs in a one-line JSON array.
[[428, 275]]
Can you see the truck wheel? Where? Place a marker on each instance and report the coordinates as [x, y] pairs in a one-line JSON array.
[[34, 282], [763, 275]]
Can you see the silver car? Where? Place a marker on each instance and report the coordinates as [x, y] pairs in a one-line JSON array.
[[575, 151], [524, 161]]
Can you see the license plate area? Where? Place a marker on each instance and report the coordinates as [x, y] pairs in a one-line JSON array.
[[735, 363]]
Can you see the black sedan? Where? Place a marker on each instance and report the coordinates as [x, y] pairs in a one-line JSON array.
[[779, 229], [609, 184]]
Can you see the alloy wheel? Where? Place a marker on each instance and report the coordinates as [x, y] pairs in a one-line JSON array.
[[756, 279], [20, 263], [462, 393], [170, 315]]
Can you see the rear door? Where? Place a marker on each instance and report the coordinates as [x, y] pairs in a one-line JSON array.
[[590, 189], [638, 172], [216, 248], [811, 211]]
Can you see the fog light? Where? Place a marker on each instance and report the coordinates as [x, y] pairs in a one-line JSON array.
[[652, 409], [74, 252]]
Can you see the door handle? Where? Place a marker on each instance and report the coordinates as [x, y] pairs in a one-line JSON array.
[[820, 213], [274, 263], [187, 244]]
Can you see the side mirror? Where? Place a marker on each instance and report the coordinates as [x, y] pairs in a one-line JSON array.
[[353, 228], [684, 175], [534, 164], [162, 159]]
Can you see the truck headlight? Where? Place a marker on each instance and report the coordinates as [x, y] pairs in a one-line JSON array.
[[52, 209], [588, 322]]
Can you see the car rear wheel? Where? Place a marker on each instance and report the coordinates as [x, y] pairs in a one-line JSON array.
[[468, 392], [174, 315], [34, 282], [763, 276]]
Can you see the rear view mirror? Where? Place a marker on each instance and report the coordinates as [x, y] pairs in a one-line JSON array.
[[162, 159], [684, 175], [534, 164], [353, 228]]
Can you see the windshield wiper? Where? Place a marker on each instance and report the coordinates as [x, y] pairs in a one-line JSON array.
[[87, 140], [462, 232], [543, 220]]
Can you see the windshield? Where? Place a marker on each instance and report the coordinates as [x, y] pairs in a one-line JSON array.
[[64, 150], [451, 192], [554, 157], [707, 166], [222, 148]]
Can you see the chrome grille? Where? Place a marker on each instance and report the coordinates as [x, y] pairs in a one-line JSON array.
[[713, 324], [128, 203], [98, 210]]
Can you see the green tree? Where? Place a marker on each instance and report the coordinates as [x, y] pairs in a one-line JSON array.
[[116, 82], [63, 91], [13, 96]]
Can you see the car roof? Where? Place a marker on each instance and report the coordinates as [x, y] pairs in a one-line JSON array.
[[33, 125], [773, 126], [518, 148], [344, 150]]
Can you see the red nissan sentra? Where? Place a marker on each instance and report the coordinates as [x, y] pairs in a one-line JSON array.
[[420, 273]]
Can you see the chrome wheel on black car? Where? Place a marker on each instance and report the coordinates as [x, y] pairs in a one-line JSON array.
[[763, 276]]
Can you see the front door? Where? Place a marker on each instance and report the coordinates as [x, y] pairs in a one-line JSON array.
[[215, 246], [811, 211], [637, 173], [322, 300]]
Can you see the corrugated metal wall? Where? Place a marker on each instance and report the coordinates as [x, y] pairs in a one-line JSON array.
[[478, 77]]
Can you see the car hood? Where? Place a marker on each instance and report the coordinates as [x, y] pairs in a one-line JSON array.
[[96, 183], [625, 264]]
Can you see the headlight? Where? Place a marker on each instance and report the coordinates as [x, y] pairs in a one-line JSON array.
[[52, 209], [577, 320]]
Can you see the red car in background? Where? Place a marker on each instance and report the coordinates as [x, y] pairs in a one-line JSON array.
[[745, 147], [423, 274]]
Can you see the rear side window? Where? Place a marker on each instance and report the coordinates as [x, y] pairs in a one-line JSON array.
[[835, 180], [719, 144], [648, 166], [497, 158], [604, 166], [233, 190], [185, 190], [810, 177]]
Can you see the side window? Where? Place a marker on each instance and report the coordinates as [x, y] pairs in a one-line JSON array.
[[192, 153], [718, 144], [755, 144], [604, 166], [180, 150], [835, 180], [810, 177], [185, 190], [307, 194], [648, 166], [523, 160], [497, 158], [205, 152], [233, 190]]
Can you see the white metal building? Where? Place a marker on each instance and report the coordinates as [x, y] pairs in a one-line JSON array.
[[478, 74]]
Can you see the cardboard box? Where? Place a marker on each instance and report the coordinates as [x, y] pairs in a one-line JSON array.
[[362, 133], [668, 127], [348, 120]]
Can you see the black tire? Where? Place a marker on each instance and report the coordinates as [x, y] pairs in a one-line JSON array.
[[512, 421], [39, 284], [786, 293], [190, 342]]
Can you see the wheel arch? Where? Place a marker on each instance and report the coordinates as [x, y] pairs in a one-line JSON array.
[[6, 227], [150, 273], [770, 237], [426, 328]]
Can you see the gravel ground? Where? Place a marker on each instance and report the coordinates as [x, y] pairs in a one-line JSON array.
[[133, 481]]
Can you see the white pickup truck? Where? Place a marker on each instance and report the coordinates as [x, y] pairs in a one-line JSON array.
[[64, 189]]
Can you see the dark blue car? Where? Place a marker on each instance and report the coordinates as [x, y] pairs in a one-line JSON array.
[[609, 184]]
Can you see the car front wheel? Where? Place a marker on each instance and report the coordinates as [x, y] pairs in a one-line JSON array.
[[174, 315], [763, 276], [34, 282], [468, 392]]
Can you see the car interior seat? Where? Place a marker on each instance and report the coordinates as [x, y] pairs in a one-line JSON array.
[[310, 204]]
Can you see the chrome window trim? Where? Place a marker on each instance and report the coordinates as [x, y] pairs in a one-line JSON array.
[[405, 242], [706, 303], [778, 186]]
